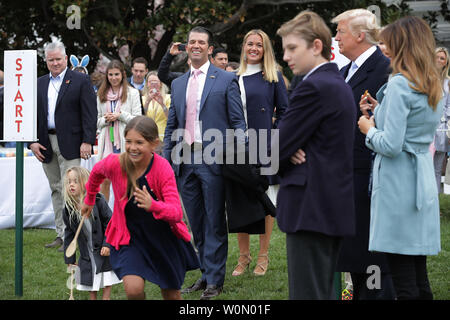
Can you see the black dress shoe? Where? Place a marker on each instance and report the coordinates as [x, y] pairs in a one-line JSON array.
[[198, 285], [211, 292], [56, 243]]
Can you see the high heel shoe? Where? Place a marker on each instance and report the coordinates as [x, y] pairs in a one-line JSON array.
[[261, 267], [241, 266]]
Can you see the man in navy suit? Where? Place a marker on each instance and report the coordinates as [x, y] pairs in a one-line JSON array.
[[66, 125], [206, 100], [357, 31], [315, 202]]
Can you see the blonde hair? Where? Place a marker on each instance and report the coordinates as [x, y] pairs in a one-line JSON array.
[[309, 26], [162, 88], [444, 71], [415, 62], [72, 203], [269, 64], [361, 20]]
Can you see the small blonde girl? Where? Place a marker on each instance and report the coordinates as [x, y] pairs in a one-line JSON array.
[[94, 269]]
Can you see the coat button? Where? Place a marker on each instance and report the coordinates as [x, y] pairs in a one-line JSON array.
[[263, 109]]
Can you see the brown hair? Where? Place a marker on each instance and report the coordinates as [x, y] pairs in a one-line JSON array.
[[415, 62], [309, 26], [104, 87], [148, 129], [140, 60]]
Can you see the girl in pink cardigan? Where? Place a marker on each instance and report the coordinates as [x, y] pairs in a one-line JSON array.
[[148, 237]]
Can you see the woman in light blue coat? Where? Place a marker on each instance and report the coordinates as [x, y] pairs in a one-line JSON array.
[[405, 206]]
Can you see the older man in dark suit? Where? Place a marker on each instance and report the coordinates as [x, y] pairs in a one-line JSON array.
[[357, 32], [315, 201], [66, 128]]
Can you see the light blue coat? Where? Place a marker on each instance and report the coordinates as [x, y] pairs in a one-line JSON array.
[[405, 205]]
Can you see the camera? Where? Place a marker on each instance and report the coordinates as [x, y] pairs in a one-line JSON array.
[[182, 47]]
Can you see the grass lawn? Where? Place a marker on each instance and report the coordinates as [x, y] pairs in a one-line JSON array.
[[44, 271]]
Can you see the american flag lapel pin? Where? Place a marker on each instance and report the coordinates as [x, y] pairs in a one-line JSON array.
[[67, 81], [212, 77]]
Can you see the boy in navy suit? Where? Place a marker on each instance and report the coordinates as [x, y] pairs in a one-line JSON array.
[[315, 205]]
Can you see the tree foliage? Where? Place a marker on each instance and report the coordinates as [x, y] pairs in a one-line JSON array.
[[149, 27]]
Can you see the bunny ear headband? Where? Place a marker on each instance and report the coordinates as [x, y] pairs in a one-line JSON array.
[[76, 63]]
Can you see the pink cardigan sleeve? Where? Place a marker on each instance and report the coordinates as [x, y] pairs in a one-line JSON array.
[[100, 171]]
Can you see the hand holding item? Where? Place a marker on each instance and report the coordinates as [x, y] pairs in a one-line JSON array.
[[143, 198], [158, 98], [367, 104], [175, 49], [104, 252], [365, 124], [86, 210], [111, 116]]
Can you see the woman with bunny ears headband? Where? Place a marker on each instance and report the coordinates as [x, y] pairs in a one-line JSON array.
[[79, 66]]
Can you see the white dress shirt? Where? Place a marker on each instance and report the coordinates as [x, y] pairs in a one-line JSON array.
[[52, 96], [359, 62], [201, 84]]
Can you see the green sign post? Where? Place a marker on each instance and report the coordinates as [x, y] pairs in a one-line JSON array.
[[20, 125], [19, 220]]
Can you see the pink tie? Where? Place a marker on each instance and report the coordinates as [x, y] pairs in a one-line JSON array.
[[191, 107]]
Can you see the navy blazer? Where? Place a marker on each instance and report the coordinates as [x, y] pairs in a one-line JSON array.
[[264, 100], [262, 97], [75, 114], [370, 76], [318, 194], [220, 109]]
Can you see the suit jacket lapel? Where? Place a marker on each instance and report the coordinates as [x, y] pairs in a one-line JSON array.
[[64, 85], [363, 71], [209, 82], [183, 91], [44, 95], [344, 70]]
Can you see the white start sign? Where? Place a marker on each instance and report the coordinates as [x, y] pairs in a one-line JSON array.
[[20, 95]]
